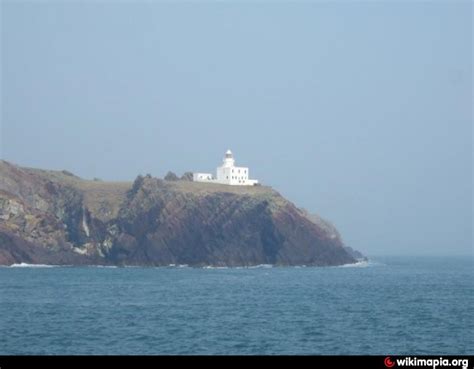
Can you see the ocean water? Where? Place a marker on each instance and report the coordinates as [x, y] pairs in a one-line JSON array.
[[392, 305]]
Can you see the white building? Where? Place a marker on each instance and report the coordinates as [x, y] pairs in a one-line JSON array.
[[227, 173]]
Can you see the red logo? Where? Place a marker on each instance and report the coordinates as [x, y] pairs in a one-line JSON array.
[[388, 362]]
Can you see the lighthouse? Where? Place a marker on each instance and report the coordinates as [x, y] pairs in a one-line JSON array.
[[228, 159], [227, 173]]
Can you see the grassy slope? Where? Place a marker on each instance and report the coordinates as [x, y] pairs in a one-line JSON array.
[[104, 199]]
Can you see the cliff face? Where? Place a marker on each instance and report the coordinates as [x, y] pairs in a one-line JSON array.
[[53, 217]]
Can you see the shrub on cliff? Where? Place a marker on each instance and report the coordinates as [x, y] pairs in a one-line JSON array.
[[170, 176], [187, 176]]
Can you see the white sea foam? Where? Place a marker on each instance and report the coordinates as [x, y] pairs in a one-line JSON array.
[[261, 266], [102, 266], [175, 266], [362, 264], [359, 264], [26, 265]]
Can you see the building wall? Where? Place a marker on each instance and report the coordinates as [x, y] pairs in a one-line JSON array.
[[227, 173], [234, 176], [202, 177]]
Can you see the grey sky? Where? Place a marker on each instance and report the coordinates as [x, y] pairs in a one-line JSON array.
[[361, 111]]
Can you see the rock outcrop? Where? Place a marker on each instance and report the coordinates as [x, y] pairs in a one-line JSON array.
[[53, 217]]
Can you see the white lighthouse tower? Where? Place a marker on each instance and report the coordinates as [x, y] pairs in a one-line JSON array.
[[227, 173], [228, 159]]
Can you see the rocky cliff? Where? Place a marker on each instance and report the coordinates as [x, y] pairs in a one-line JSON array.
[[51, 217]]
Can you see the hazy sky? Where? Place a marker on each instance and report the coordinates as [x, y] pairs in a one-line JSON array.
[[361, 111]]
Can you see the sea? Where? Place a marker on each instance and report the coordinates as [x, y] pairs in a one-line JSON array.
[[387, 306]]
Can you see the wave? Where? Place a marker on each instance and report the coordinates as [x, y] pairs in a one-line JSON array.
[[26, 265], [260, 266], [358, 264], [101, 266], [361, 264], [175, 266]]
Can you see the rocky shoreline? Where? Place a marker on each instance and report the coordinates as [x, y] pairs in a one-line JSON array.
[[54, 217]]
